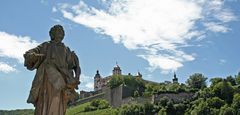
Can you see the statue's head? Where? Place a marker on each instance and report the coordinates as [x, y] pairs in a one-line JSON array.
[[56, 33]]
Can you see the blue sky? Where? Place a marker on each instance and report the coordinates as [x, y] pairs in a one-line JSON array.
[[151, 36]]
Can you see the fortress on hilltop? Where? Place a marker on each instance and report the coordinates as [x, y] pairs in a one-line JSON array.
[[123, 93], [101, 82]]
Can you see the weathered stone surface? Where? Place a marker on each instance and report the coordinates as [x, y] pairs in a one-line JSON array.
[[54, 82]]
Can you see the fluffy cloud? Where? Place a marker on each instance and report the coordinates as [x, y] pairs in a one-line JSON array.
[[159, 28], [90, 85], [13, 47], [6, 68], [86, 82]]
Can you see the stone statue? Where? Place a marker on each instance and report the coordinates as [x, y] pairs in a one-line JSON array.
[[57, 74]]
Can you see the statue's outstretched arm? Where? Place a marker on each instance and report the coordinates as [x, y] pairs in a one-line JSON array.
[[32, 57]]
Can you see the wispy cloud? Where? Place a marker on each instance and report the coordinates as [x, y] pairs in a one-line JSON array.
[[215, 27], [159, 28], [6, 68], [13, 47], [222, 61]]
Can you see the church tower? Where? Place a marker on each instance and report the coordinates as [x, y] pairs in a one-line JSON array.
[[117, 70], [139, 75], [97, 81], [175, 79]]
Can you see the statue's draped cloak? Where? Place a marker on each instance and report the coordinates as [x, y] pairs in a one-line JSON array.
[[54, 72]]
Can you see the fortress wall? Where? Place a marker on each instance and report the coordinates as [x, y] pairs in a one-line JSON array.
[[88, 99], [176, 97], [85, 94], [126, 92], [116, 96], [107, 94]]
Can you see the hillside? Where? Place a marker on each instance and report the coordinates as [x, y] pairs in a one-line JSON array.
[[221, 97], [17, 112], [76, 110]]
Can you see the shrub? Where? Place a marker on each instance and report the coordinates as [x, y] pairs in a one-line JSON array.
[[147, 94], [138, 109], [133, 109], [136, 94], [149, 108], [162, 111], [90, 108], [163, 101], [97, 104]]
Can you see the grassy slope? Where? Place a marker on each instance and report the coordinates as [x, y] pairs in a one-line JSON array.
[[78, 110], [75, 110], [17, 112]]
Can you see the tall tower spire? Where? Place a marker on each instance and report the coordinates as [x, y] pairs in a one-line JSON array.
[[117, 70], [175, 79], [174, 76], [97, 75], [97, 80]]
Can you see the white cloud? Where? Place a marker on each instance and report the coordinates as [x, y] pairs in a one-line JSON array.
[[162, 62], [216, 27], [90, 85], [87, 83], [6, 68], [12, 46], [226, 16], [222, 61], [157, 27]]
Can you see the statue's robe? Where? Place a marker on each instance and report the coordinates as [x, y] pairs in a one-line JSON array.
[[54, 63]]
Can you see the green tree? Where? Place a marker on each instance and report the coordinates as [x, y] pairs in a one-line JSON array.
[[134, 83], [162, 111], [224, 90], [205, 93], [149, 88], [215, 81], [225, 110], [201, 109], [149, 108], [173, 87], [238, 78], [214, 111], [170, 108], [215, 102], [236, 103], [180, 108], [197, 81], [115, 81], [163, 101], [231, 80]]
